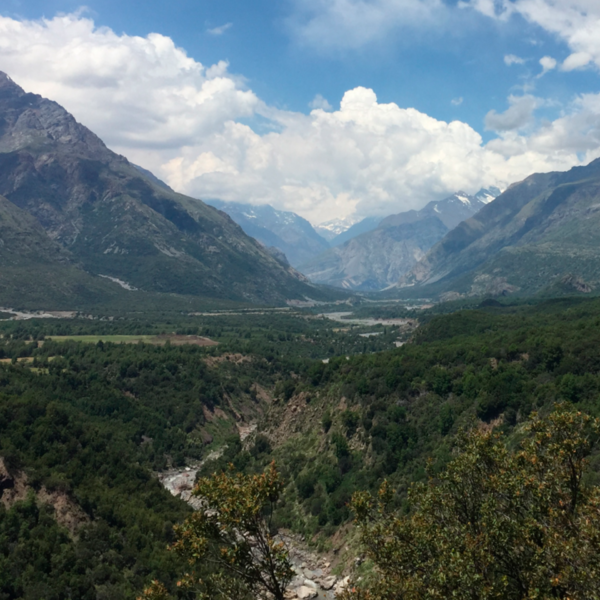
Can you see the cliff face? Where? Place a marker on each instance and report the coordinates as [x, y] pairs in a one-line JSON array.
[[115, 220]]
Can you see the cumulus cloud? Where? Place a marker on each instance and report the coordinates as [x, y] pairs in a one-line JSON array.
[[456, 101], [133, 91], [576, 22], [368, 158], [188, 123], [350, 24], [220, 30], [577, 60], [575, 134]]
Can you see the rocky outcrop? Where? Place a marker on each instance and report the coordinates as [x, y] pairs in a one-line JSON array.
[[14, 487]]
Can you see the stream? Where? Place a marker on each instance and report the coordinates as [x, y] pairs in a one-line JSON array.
[[313, 576]]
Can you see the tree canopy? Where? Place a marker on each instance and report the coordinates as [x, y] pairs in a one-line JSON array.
[[228, 545], [496, 524]]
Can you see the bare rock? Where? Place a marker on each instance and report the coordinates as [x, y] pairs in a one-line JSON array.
[[305, 591], [328, 582]]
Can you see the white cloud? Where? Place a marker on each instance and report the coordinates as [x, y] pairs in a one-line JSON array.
[[511, 59], [577, 60], [548, 64], [518, 115], [456, 101], [220, 30], [169, 113], [370, 158], [576, 133], [348, 24], [133, 91], [576, 22], [319, 102]]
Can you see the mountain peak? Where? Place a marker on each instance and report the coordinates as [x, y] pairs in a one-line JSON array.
[[288, 232], [8, 85], [29, 120]]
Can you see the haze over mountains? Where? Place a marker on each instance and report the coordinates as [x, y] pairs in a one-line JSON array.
[[286, 231], [539, 231], [291, 234], [376, 259], [72, 210]]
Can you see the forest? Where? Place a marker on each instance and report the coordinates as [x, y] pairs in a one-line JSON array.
[[93, 423]]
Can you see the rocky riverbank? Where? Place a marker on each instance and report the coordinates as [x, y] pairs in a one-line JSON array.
[[313, 579]]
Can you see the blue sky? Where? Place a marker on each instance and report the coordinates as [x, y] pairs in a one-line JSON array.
[[475, 63]]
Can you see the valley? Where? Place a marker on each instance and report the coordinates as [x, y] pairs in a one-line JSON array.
[[263, 394], [218, 400]]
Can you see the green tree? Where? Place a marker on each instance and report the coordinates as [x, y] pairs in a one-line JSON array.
[[228, 545], [495, 525]]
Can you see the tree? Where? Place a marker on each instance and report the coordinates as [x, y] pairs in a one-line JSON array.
[[495, 524], [228, 545]]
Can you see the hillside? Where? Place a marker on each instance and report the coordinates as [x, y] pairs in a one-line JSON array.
[[284, 230], [541, 229], [38, 269], [116, 221], [378, 258]]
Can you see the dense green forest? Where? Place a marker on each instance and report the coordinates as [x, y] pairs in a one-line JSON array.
[[93, 422]]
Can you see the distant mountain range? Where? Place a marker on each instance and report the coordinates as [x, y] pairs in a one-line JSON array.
[[540, 234], [73, 214], [364, 226], [286, 231], [81, 225], [378, 258], [329, 230]]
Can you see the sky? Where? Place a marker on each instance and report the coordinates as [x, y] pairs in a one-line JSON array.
[[333, 109]]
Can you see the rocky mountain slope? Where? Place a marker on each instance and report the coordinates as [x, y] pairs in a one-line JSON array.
[[537, 231], [376, 259], [113, 219], [284, 230]]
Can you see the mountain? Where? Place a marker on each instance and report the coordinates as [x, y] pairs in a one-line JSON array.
[[378, 258], [539, 230], [35, 267], [364, 226], [329, 230], [103, 216], [286, 231]]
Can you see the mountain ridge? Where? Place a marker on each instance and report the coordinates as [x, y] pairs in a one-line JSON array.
[[115, 220], [288, 232], [539, 229], [376, 259]]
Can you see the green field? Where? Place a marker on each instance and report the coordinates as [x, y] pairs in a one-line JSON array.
[[115, 339], [176, 340]]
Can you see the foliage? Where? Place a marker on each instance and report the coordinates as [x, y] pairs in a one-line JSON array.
[[94, 420], [228, 544], [496, 524]]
